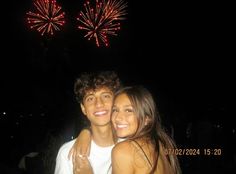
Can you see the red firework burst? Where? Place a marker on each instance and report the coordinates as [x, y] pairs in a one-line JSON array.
[[47, 18], [102, 20]]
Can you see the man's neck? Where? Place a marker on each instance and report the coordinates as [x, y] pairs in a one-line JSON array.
[[102, 135]]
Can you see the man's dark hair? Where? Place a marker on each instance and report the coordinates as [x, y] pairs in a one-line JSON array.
[[95, 80]]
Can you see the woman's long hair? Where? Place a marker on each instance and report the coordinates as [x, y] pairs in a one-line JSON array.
[[149, 124]]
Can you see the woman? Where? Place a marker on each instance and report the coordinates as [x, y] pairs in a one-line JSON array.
[[136, 119]]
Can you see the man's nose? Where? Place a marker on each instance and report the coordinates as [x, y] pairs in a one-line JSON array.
[[99, 102]]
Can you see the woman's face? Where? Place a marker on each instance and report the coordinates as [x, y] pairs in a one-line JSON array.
[[124, 119]]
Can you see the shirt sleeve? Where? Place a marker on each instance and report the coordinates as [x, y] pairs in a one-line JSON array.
[[63, 164]]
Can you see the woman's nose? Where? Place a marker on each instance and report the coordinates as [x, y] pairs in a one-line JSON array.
[[119, 116]]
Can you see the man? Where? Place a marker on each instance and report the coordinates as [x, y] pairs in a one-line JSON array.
[[95, 93]]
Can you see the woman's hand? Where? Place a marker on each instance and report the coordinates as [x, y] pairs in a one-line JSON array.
[[81, 149], [83, 167]]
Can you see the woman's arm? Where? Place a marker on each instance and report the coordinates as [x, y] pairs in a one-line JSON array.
[[82, 166], [82, 144], [80, 151]]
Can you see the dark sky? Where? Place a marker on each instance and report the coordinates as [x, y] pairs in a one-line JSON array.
[[181, 51]]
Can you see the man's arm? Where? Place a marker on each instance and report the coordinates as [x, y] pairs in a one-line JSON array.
[[63, 164]]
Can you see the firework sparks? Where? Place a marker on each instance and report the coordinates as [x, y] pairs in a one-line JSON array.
[[102, 20], [47, 18]]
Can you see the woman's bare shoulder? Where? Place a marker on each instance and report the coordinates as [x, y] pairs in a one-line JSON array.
[[122, 158], [124, 146]]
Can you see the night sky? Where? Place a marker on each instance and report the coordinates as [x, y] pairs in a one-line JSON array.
[[181, 51]]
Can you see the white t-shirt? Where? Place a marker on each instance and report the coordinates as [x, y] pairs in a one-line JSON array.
[[99, 158]]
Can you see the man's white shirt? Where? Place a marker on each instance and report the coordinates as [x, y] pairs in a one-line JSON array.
[[99, 158]]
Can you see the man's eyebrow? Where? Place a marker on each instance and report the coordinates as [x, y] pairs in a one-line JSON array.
[[87, 95], [107, 93]]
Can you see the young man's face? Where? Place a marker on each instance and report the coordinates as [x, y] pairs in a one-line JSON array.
[[97, 106]]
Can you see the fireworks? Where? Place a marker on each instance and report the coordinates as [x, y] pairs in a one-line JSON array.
[[103, 20], [47, 18]]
